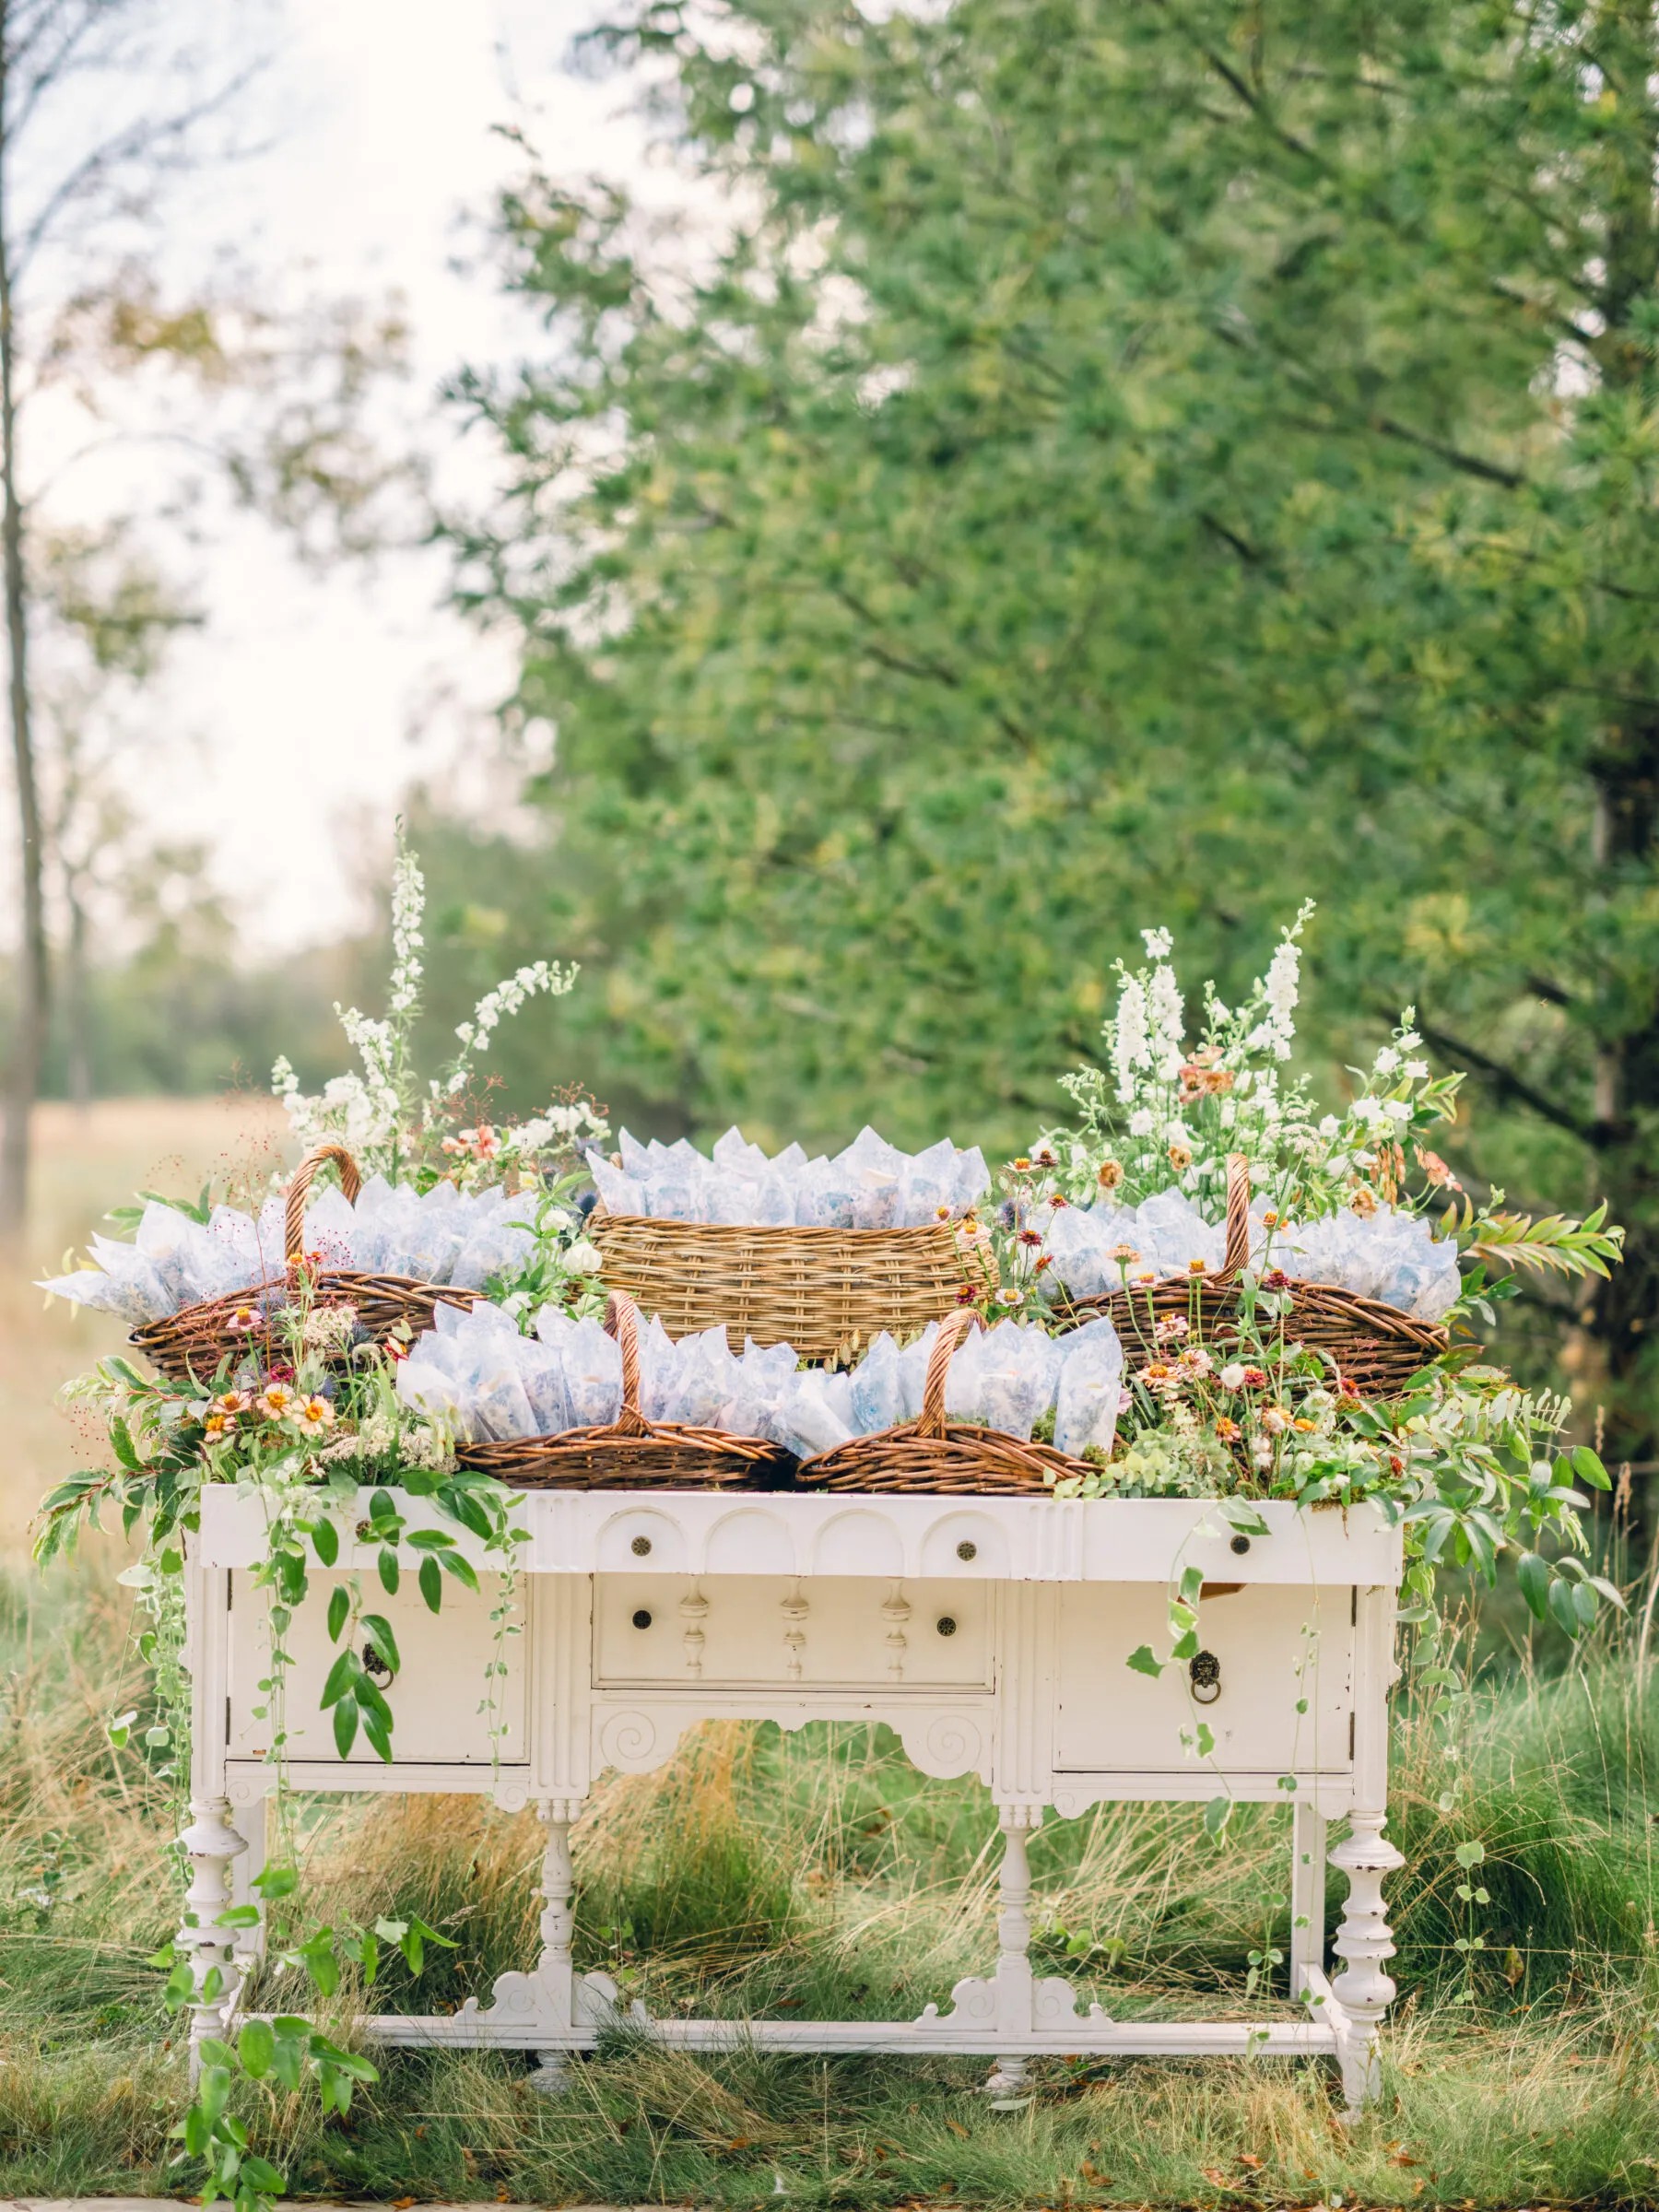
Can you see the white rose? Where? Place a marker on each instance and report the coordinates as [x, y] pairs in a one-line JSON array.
[[583, 1259]]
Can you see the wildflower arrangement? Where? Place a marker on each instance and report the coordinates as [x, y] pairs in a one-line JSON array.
[[1165, 1112], [1471, 1463]]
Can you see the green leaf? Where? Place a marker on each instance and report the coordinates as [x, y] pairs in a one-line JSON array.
[[1143, 1662], [344, 1726], [1533, 1574], [257, 2048], [390, 1574], [342, 1676], [431, 1585], [1587, 1466], [326, 1541], [1563, 1609], [378, 1629], [452, 1563], [339, 1610]]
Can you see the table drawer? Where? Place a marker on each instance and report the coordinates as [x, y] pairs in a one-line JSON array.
[[434, 1697], [1276, 1645], [667, 1631]]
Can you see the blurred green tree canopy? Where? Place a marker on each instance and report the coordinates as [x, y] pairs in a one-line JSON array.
[[1123, 464]]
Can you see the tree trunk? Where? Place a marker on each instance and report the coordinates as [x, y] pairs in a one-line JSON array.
[[76, 998], [22, 1076], [1625, 1313]]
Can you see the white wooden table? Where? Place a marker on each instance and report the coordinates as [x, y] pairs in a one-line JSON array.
[[991, 1635]]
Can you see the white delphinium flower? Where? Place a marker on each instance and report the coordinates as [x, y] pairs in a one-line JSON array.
[[1169, 1021], [1386, 1061], [508, 995], [1129, 1039], [1279, 989], [1417, 1070], [408, 907], [1142, 1121], [375, 1043], [1159, 943]]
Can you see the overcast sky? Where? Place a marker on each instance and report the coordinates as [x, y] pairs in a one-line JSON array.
[[304, 693]]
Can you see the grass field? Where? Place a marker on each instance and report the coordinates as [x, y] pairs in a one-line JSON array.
[[814, 1874]]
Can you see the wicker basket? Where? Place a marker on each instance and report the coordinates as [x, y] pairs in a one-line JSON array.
[[633, 1452], [820, 1290], [955, 1458], [192, 1342], [1376, 1348]]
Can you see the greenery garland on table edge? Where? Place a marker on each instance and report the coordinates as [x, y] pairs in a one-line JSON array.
[[1466, 1460]]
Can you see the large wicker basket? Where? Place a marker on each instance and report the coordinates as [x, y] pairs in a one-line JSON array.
[[934, 1453], [194, 1341], [1377, 1347], [633, 1452], [821, 1291]]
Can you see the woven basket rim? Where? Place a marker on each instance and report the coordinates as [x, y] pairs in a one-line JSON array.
[[633, 1435], [1389, 1322], [784, 1233], [905, 1451]]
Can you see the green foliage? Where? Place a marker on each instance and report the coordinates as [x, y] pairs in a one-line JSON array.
[[1121, 461]]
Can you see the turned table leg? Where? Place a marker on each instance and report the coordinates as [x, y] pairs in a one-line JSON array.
[[1008, 2086], [1364, 1940], [252, 1823], [556, 1967], [210, 1843], [1307, 1900]]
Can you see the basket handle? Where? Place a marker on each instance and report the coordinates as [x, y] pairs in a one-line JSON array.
[[1238, 1215], [954, 1331], [623, 1322], [298, 1190]]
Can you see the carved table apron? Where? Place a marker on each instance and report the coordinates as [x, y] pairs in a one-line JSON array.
[[990, 1634]]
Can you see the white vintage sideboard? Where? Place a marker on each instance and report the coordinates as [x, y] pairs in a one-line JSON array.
[[990, 1634]]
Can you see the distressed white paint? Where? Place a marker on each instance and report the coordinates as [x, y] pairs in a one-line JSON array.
[[992, 1636]]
